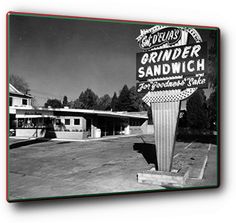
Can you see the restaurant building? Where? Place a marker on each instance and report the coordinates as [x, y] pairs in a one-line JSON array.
[[65, 123]]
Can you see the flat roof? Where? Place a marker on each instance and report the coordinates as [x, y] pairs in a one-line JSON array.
[[124, 114]]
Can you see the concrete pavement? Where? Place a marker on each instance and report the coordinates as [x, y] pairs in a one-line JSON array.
[[64, 168]]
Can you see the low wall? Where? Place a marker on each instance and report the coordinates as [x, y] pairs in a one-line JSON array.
[[50, 134], [142, 129], [30, 132], [67, 135], [135, 130]]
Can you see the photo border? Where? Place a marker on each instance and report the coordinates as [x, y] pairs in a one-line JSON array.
[[57, 16]]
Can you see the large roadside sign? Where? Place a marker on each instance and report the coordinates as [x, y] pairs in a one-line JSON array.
[[169, 69]]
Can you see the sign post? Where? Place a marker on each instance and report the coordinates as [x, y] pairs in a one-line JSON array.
[[165, 118], [168, 70]]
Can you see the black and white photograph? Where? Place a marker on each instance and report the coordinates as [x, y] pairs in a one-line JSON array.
[[103, 106]]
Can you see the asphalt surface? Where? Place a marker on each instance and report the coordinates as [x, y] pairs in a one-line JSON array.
[[63, 168]]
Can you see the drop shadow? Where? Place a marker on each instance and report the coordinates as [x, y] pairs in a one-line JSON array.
[[148, 151], [67, 142], [28, 142], [46, 133]]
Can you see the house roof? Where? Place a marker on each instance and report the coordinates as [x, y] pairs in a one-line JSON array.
[[13, 90]]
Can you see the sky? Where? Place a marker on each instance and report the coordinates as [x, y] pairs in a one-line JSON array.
[[60, 57]]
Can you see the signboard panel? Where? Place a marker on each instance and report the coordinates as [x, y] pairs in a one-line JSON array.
[[156, 37], [183, 60], [179, 82]]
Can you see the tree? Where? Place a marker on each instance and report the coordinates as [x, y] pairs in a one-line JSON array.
[[211, 105], [136, 103], [212, 100], [76, 104], [104, 103], [19, 83], [197, 110], [88, 99], [65, 101], [34, 102], [212, 50], [149, 113], [183, 119], [124, 99], [114, 102], [54, 103]]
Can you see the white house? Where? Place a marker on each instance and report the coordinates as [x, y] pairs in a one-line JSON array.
[[17, 99]]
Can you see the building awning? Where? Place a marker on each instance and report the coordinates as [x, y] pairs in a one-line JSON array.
[[69, 111], [34, 116]]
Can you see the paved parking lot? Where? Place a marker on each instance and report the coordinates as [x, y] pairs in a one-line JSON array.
[[64, 168]]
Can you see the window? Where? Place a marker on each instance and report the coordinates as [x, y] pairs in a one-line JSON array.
[[24, 101], [77, 121], [67, 121], [10, 101]]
